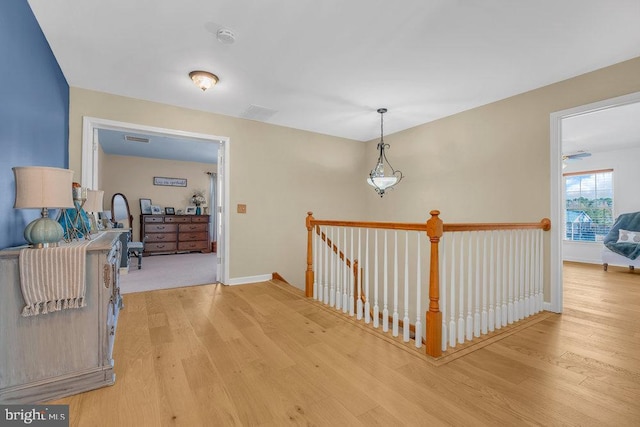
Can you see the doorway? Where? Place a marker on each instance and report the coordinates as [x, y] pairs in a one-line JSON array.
[[557, 202], [91, 164]]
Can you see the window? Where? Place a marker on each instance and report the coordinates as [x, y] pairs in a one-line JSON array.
[[588, 205]]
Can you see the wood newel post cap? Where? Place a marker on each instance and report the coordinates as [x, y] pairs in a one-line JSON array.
[[309, 219], [546, 224], [434, 226]]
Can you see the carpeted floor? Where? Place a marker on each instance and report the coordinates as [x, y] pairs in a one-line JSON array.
[[169, 271]]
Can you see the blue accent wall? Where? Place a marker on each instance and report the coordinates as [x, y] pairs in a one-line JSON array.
[[34, 110]]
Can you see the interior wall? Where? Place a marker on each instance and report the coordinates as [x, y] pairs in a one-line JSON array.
[[626, 176], [137, 183], [33, 117], [279, 173], [491, 163]]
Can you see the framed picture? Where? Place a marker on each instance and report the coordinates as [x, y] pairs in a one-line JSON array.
[[171, 182], [190, 210], [145, 206], [156, 210], [169, 211], [179, 212]]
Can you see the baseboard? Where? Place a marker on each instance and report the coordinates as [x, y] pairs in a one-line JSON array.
[[582, 260], [249, 279]]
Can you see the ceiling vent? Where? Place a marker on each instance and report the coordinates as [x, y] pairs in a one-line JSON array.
[[132, 138], [258, 113]]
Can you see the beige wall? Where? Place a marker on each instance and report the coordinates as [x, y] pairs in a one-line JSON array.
[[490, 164], [279, 173], [486, 164], [133, 177]]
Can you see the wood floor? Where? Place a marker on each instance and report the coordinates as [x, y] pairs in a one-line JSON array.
[[260, 355]]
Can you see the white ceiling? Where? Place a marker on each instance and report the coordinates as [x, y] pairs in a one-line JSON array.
[[326, 66]]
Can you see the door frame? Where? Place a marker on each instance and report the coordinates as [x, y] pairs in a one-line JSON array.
[[90, 126], [556, 283]]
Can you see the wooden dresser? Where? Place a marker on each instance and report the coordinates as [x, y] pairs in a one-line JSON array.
[[65, 352], [164, 234]]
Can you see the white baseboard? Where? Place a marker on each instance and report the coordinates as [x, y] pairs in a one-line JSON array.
[[582, 260], [249, 279]]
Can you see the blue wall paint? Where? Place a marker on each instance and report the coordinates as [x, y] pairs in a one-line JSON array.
[[34, 110]]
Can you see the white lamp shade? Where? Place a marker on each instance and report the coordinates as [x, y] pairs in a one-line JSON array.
[[43, 187], [382, 182], [94, 201]]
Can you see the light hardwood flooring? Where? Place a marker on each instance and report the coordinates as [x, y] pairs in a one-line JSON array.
[[263, 355]]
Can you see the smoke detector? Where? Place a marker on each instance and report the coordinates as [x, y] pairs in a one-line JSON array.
[[226, 36]]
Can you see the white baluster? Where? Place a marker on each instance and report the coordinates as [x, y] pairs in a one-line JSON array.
[[314, 265], [352, 283], [443, 290], [405, 320], [318, 294], [511, 279], [540, 301], [527, 283], [522, 270], [485, 283], [492, 283], [461, 288], [477, 296], [345, 276], [452, 320], [516, 274], [332, 278], [418, 334], [469, 320], [367, 304], [385, 296], [395, 285], [360, 278], [338, 293], [505, 279], [327, 263], [376, 307]]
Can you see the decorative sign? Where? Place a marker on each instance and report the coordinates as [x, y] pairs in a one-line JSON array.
[[171, 182]]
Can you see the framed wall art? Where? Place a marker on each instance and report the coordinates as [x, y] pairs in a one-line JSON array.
[[170, 182], [145, 206]]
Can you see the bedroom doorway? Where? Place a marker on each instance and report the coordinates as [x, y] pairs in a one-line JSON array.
[[217, 146], [561, 143]]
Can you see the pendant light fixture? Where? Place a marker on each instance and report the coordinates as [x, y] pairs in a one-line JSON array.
[[377, 178]]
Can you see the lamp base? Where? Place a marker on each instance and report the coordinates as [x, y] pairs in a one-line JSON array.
[[43, 232]]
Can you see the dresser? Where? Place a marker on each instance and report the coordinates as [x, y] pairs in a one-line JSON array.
[[64, 352], [164, 234]]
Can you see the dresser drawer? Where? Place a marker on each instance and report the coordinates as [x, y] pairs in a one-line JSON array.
[[200, 218], [161, 228], [160, 247], [200, 245], [161, 237], [150, 218], [188, 237], [185, 228], [177, 218]]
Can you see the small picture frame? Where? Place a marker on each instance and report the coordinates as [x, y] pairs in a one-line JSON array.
[[156, 210], [169, 211], [190, 210], [145, 206], [179, 212]]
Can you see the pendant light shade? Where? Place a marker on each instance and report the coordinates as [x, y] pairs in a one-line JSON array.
[[377, 178]]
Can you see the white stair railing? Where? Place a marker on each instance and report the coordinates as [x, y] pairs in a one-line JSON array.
[[483, 276]]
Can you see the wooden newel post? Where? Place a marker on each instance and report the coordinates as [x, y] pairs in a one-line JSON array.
[[308, 286], [434, 315]]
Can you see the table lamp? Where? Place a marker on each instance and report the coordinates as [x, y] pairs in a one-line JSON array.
[[40, 187], [94, 205]]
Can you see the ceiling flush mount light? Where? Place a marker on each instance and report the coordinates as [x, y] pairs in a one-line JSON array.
[[377, 178], [203, 79]]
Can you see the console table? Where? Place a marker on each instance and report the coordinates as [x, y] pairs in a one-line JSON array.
[[49, 356], [174, 233]]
